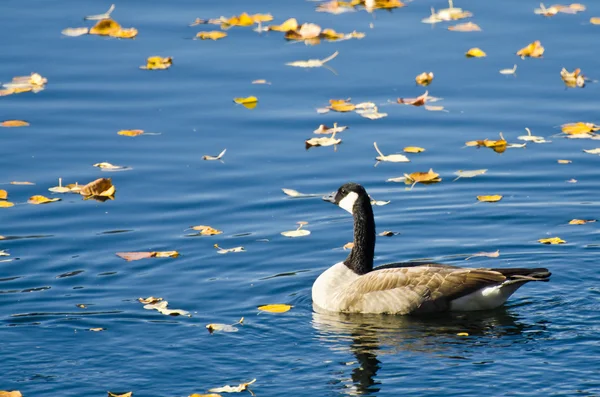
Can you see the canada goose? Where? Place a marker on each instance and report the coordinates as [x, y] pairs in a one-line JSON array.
[[406, 288]]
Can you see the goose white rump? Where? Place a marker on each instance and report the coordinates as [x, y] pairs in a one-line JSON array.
[[354, 286]]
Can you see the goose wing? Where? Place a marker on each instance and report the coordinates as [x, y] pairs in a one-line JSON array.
[[416, 289]]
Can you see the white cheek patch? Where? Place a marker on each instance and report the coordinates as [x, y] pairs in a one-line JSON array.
[[347, 202]]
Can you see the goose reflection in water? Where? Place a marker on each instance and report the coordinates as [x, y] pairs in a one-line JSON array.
[[369, 336]]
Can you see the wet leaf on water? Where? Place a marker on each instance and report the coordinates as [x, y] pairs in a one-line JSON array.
[[205, 395], [573, 79], [532, 138], [6, 204], [75, 32], [232, 389], [206, 230], [498, 146], [462, 334], [224, 327], [422, 177], [341, 105], [120, 394], [322, 141], [14, 123], [60, 188], [533, 50], [136, 256], [564, 161], [592, 151], [248, 102], [348, 246], [275, 308], [552, 240], [3, 194], [14, 393], [227, 250], [261, 81], [413, 149], [388, 233], [97, 329], [161, 307], [213, 35], [315, 63], [110, 167], [418, 101], [465, 27], [21, 183], [323, 129], [595, 20], [123, 33], [295, 193], [424, 78], [110, 27], [490, 199], [393, 158], [379, 203], [98, 17], [579, 128], [299, 232], [572, 180], [101, 187], [130, 132], [39, 199], [581, 221], [468, 174], [494, 254], [149, 300], [509, 71], [157, 63], [475, 53], [219, 157], [290, 24]]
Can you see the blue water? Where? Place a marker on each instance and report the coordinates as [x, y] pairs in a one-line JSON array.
[[544, 342]]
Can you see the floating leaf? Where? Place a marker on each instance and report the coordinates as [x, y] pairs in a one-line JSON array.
[[275, 308], [413, 149], [206, 230], [465, 27], [97, 329], [592, 151], [290, 24], [394, 158], [418, 101], [315, 63], [552, 240], [424, 78], [348, 246], [298, 232], [231, 389], [205, 395], [533, 50], [227, 250], [98, 17], [60, 188], [462, 334], [110, 167], [248, 102], [494, 254], [490, 199], [105, 27], [14, 393], [224, 327], [388, 233], [595, 20], [379, 203], [564, 161], [166, 254], [498, 146], [261, 81], [295, 193], [3, 194], [39, 199], [323, 141], [581, 221], [161, 307], [509, 71], [213, 35], [119, 394], [422, 177], [579, 128], [75, 32], [102, 187], [130, 132], [21, 183], [207, 157], [149, 300], [123, 33], [532, 138], [14, 123], [157, 63], [136, 256], [469, 174], [573, 79], [475, 53], [6, 204], [323, 129]]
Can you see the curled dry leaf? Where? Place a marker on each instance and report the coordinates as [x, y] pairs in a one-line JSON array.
[[475, 53], [206, 230], [532, 138], [498, 146], [205, 395], [232, 389], [422, 177], [39, 199], [468, 174], [227, 250], [275, 308], [573, 79], [418, 101], [394, 158], [494, 254], [75, 32], [509, 71], [213, 35], [533, 50], [315, 63], [581, 221], [323, 141], [465, 27], [298, 232], [149, 300], [424, 78], [341, 105], [110, 167], [109, 27], [130, 132], [101, 187], [290, 24], [97, 329], [207, 157], [323, 129], [21, 183], [552, 240], [462, 334], [248, 102], [157, 63], [14, 123], [261, 81], [490, 199]]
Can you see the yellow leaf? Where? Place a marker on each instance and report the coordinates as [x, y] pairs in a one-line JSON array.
[[3, 194], [290, 24], [275, 308], [490, 199], [242, 20], [105, 27], [564, 161], [579, 128], [422, 177], [249, 102], [39, 199], [100, 187], [534, 50], [342, 107], [595, 20], [205, 395], [14, 123], [213, 35], [130, 132], [462, 334], [552, 240], [206, 230], [123, 33], [413, 149], [331, 34], [14, 393], [475, 53], [232, 389], [149, 300], [6, 204], [74, 32], [21, 183], [165, 254], [424, 78], [581, 221], [97, 329], [112, 394], [157, 63], [348, 246], [298, 232], [261, 18]]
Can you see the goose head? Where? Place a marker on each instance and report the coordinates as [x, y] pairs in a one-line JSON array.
[[347, 196]]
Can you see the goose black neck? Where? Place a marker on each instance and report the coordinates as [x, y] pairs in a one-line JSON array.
[[360, 260]]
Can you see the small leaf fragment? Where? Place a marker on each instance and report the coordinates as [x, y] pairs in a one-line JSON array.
[[348, 246], [97, 329], [120, 394], [157, 63], [14, 393], [462, 334], [149, 300], [3, 194], [227, 250], [552, 240], [465, 27], [275, 308], [39, 199], [490, 199], [134, 256], [218, 157]]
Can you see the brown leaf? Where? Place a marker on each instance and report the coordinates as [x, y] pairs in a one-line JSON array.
[[100, 187]]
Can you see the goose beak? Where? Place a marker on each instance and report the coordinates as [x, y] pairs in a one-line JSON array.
[[330, 197]]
